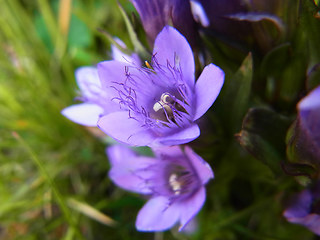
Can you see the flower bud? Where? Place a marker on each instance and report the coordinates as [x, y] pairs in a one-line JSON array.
[[155, 14], [254, 25], [304, 137]]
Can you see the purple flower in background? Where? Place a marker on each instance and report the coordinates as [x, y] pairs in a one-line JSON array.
[[88, 112], [158, 105], [309, 120], [156, 14], [248, 24], [304, 142], [92, 95], [304, 209], [174, 179]]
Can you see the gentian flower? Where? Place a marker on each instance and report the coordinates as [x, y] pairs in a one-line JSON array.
[[174, 180], [304, 143], [88, 112], [92, 95], [158, 104], [156, 14], [239, 22], [309, 119], [304, 209]]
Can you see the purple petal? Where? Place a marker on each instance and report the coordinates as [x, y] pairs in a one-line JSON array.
[[256, 17], [199, 14], [172, 48], [118, 55], [181, 137], [114, 73], [171, 151], [299, 206], [127, 130], [128, 170], [157, 215], [312, 222], [88, 81], [156, 14], [312, 100], [190, 227], [190, 207], [207, 88], [110, 71], [86, 114], [202, 168]]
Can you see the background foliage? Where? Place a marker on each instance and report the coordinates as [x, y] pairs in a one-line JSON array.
[[53, 173]]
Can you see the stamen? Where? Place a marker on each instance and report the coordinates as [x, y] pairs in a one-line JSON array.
[[171, 107], [175, 184], [147, 64]]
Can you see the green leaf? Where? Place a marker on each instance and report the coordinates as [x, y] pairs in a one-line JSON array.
[[79, 34], [138, 47], [284, 69], [310, 23], [235, 94], [263, 135], [302, 152], [313, 78], [272, 64]]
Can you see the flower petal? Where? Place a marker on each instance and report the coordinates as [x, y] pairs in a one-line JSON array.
[[157, 215], [88, 81], [111, 71], [167, 150], [207, 88], [191, 206], [312, 222], [86, 114], [127, 130], [172, 48], [181, 137], [312, 100], [199, 14], [118, 55], [128, 170], [299, 206], [156, 14], [202, 168]]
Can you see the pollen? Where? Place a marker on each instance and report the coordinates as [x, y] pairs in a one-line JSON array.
[[148, 64], [175, 184]]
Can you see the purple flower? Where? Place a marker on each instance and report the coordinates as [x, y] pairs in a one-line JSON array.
[[304, 143], [304, 209], [156, 14], [92, 95], [309, 119], [240, 22], [88, 112], [174, 179], [158, 105]]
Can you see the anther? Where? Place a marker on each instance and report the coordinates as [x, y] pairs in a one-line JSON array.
[[147, 64], [175, 184]]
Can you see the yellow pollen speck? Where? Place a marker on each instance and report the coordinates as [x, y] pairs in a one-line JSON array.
[[147, 64]]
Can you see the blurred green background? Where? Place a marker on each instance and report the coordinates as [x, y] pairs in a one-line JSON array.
[[53, 172]]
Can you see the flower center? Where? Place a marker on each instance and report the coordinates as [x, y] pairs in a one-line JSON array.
[[175, 184], [168, 108], [179, 182]]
